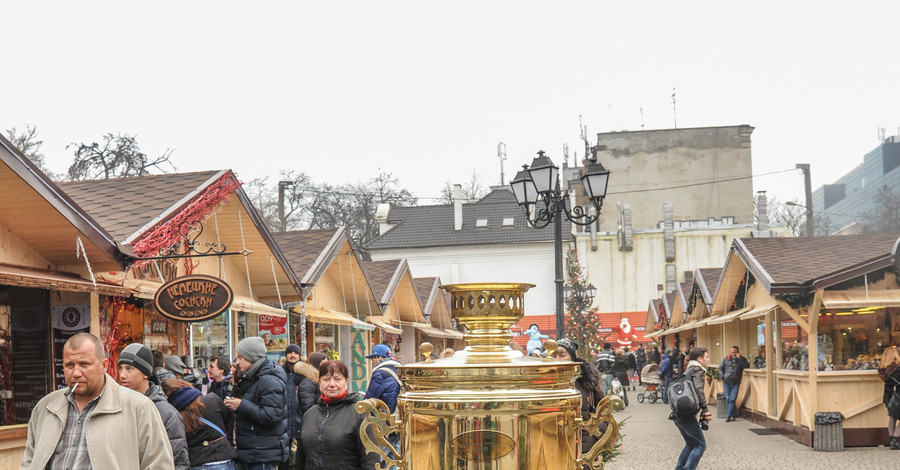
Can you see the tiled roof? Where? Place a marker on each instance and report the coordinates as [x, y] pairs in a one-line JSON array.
[[301, 248], [796, 262], [432, 226], [123, 205], [424, 287], [669, 302], [709, 279], [684, 291], [380, 274]]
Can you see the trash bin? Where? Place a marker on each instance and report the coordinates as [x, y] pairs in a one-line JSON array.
[[721, 406], [829, 433]]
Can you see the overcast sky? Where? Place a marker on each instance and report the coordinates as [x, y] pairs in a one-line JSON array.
[[427, 90]]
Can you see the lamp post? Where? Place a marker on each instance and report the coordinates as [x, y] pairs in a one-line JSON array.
[[583, 295], [539, 183], [282, 220]]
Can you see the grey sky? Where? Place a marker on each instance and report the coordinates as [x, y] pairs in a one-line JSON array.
[[426, 90]]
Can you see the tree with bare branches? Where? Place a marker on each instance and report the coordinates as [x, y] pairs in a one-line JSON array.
[[118, 156], [29, 144], [472, 190]]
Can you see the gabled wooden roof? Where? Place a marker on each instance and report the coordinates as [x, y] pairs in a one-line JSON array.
[[35, 210], [393, 286]]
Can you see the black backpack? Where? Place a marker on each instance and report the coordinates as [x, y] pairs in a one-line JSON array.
[[683, 399]]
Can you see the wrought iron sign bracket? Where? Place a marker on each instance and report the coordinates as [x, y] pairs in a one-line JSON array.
[[192, 247]]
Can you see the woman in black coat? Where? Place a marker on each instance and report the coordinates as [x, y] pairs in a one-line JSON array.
[[588, 384], [889, 371], [308, 390], [620, 370], [329, 432], [207, 441]]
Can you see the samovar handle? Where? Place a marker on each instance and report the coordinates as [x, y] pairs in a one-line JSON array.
[[382, 424], [606, 443]]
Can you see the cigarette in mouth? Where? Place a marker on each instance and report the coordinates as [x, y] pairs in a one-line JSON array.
[[72, 389]]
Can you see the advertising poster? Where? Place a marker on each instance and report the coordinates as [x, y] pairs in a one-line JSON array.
[[273, 330], [66, 321], [31, 355]]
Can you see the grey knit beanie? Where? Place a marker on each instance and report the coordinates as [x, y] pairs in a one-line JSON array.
[[252, 348], [138, 356]]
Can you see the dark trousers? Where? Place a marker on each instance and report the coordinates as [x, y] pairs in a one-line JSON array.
[[694, 442]]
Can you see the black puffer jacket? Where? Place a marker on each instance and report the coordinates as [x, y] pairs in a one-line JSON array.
[[891, 377], [308, 390], [732, 369], [620, 370], [329, 438], [291, 397], [174, 425], [261, 424], [206, 444]]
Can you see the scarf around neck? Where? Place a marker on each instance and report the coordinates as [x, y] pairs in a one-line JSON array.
[[329, 401]]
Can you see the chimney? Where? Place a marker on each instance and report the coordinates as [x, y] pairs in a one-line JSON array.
[[456, 197], [762, 211], [381, 216]]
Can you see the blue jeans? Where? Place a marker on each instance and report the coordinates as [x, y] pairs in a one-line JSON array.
[[694, 442], [731, 391], [606, 383], [667, 380], [221, 466]]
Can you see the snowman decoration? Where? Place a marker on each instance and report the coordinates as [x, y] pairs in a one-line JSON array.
[[626, 333]]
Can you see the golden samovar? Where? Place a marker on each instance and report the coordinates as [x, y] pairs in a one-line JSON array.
[[488, 407]]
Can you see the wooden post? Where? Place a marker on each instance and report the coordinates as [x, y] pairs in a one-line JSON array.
[[779, 357], [771, 384], [95, 315], [812, 316]]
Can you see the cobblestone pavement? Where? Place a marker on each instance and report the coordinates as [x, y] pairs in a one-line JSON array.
[[651, 441]]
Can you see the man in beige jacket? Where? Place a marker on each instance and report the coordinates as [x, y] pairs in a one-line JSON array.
[[95, 423]]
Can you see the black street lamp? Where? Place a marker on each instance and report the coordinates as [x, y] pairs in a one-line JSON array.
[[583, 296], [540, 183]]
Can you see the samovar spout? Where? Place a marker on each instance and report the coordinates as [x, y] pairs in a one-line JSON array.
[[377, 425]]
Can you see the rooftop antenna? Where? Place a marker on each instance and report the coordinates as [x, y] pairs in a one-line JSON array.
[[584, 137], [566, 153], [674, 110], [501, 153], [642, 118]]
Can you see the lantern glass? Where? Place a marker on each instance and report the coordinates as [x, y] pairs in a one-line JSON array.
[[595, 180], [523, 188], [544, 173]]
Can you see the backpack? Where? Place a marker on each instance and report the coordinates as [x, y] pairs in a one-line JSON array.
[[683, 398]]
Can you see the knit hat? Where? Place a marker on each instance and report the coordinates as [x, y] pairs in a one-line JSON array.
[[175, 364], [293, 348], [182, 397], [570, 346], [138, 356], [252, 348]]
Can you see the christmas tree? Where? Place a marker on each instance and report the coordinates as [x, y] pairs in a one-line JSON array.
[[583, 324]]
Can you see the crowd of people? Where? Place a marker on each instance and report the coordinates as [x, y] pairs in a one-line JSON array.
[[247, 414]]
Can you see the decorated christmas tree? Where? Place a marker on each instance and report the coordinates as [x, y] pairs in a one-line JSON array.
[[583, 322]]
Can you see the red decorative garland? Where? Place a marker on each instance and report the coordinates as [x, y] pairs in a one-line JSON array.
[[200, 208]]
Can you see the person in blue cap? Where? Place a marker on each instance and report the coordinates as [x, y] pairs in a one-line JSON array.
[[385, 384]]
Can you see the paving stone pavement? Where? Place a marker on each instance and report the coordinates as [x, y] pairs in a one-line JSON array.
[[651, 441]]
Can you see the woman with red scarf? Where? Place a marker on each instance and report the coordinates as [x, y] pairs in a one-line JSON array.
[[329, 433]]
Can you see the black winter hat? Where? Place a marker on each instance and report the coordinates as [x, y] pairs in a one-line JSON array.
[[138, 356]]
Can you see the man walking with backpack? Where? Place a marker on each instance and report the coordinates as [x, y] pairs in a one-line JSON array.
[[686, 399], [731, 369]]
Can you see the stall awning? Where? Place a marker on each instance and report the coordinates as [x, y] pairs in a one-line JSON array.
[[687, 326], [655, 334], [728, 317], [383, 323], [22, 276], [433, 332], [331, 317], [758, 312], [703, 322], [861, 298], [248, 305], [455, 334]]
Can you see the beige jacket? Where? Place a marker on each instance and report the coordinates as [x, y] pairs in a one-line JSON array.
[[123, 432]]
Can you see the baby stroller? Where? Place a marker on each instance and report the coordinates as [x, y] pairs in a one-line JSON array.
[[652, 384]]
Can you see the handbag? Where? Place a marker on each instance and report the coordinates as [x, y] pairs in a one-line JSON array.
[[893, 405]]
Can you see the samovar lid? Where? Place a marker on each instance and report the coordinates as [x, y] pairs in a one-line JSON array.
[[488, 310]]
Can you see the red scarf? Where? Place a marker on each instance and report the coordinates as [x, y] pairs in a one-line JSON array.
[[329, 401]]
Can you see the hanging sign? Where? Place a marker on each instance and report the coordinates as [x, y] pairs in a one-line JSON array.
[[196, 297]]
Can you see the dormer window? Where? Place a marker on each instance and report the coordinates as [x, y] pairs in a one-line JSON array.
[[509, 221], [481, 223]]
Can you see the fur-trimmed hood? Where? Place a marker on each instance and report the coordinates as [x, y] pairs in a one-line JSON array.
[[306, 370], [590, 376]]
